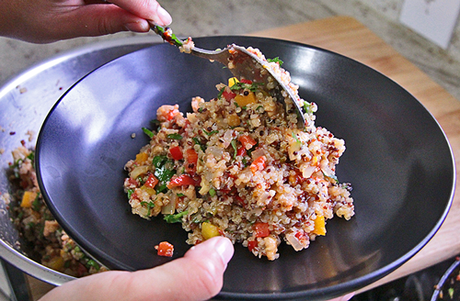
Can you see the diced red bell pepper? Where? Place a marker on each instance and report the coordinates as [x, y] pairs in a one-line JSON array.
[[241, 151], [261, 229], [258, 164], [252, 244], [176, 153], [164, 248], [191, 160], [182, 180], [247, 141], [246, 81], [151, 181], [228, 95]]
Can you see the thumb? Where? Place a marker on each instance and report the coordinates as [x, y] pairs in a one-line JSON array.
[[196, 276]]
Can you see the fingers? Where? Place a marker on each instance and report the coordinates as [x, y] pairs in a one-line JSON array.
[[196, 276], [43, 21], [148, 9]]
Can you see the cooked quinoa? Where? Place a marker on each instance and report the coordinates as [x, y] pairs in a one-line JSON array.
[[239, 166]]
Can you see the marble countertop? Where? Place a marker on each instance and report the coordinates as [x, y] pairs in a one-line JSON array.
[[189, 20]]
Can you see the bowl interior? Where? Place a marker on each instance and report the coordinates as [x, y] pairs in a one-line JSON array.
[[401, 192]]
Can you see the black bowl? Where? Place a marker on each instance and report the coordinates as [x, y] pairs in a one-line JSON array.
[[397, 159]]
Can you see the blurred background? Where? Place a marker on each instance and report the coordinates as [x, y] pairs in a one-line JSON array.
[[426, 32], [410, 26]]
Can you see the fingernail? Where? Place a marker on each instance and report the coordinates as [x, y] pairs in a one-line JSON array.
[[165, 17], [225, 249]]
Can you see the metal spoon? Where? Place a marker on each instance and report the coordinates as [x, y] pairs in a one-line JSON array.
[[242, 64]]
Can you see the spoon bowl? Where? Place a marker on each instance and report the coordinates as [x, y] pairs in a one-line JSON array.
[[245, 64]]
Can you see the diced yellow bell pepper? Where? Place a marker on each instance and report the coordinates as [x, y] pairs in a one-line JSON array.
[[320, 225], [28, 198], [141, 158], [232, 81], [208, 230], [55, 263], [244, 100]]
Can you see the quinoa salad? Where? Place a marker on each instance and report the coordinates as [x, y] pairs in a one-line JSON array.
[[239, 166], [40, 235]]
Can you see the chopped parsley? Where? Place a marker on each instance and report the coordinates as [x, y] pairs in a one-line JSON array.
[[296, 138], [36, 204], [275, 60], [210, 133], [240, 85], [197, 141], [150, 205], [175, 218], [163, 172], [148, 132], [174, 136], [308, 108]]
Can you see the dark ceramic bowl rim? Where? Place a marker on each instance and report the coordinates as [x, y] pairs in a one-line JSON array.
[[341, 287]]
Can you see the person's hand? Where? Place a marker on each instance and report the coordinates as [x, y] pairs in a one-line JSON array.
[[196, 276], [44, 21]]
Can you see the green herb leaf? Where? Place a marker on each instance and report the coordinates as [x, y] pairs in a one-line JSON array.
[[175, 218], [130, 193], [174, 136], [275, 60], [148, 132], [197, 141], [180, 195], [168, 37], [212, 192], [149, 205], [450, 291], [308, 108], [210, 133], [235, 149], [163, 171], [296, 138], [221, 92], [91, 263], [36, 204]]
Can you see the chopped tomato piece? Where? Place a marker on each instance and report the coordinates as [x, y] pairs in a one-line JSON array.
[[164, 248], [258, 164], [151, 181], [182, 180], [247, 141], [246, 81], [252, 244], [261, 229], [176, 153]]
